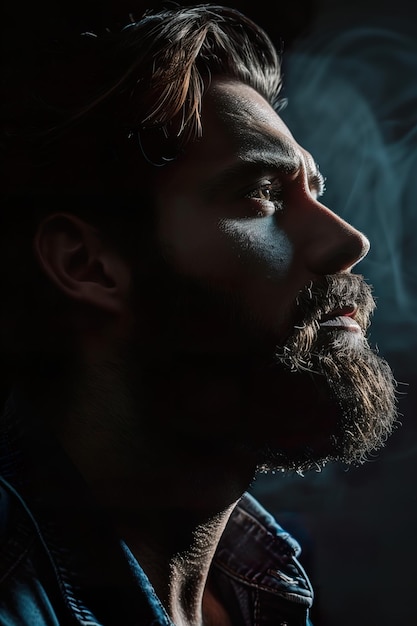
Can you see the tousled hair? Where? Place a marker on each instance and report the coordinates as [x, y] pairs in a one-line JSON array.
[[174, 53], [97, 100]]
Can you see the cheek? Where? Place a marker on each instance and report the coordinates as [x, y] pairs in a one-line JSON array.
[[229, 252], [264, 272], [259, 246], [190, 239]]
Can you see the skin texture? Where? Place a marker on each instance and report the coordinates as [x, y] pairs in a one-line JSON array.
[[211, 229], [216, 227], [239, 224]]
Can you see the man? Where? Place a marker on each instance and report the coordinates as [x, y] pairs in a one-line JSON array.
[[179, 313]]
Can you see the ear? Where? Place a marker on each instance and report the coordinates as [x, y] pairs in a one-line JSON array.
[[85, 267]]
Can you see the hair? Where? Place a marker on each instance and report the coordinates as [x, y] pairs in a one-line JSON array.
[[86, 119], [96, 100]]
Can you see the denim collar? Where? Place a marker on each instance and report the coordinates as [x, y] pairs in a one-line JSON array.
[[254, 551], [258, 552]]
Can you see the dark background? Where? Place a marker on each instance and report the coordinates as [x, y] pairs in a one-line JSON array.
[[351, 82]]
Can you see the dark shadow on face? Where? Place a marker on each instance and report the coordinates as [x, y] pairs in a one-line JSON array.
[[250, 331], [213, 379]]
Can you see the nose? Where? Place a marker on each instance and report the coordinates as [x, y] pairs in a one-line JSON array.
[[331, 245]]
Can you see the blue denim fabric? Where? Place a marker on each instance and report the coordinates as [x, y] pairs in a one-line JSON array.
[[256, 561], [61, 564]]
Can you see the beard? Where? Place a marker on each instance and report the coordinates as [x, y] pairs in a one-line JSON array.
[[341, 364], [215, 381]]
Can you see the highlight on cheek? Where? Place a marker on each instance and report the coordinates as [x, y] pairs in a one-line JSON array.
[[259, 243]]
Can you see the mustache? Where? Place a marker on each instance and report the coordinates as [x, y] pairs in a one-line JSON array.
[[333, 293], [323, 299]]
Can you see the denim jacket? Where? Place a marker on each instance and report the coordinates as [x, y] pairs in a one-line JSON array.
[[61, 563]]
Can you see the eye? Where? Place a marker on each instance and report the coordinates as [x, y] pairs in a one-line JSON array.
[[268, 196]]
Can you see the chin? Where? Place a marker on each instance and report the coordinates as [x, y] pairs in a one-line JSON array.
[[339, 404]]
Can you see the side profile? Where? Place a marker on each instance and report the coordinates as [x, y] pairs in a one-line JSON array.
[[180, 311]]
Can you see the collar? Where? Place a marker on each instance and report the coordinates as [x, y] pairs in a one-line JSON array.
[[258, 552], [254, 550]]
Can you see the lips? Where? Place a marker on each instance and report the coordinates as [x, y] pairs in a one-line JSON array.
[[342, 319]]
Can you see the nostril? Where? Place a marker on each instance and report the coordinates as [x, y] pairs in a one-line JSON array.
[[339, 251], [329, 244], [340, 261]]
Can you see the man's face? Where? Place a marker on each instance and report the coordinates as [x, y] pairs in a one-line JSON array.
[[256, 296]]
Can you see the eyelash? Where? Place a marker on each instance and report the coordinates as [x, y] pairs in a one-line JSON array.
[[274, 189]]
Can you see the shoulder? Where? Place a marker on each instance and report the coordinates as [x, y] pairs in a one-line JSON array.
[[23, 598]]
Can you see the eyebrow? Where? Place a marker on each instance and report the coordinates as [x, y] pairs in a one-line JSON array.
[[256, 162], [317, 181]]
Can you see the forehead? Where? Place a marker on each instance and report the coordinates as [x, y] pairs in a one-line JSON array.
[[239, 127], [246, 117]]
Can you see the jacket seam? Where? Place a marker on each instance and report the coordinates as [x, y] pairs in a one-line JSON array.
[[70, 601], [296, 597], [18, 559]]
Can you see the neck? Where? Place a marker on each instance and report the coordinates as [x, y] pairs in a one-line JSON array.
[[169, 498], [176, 554], [174, 536], [171, 516]]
